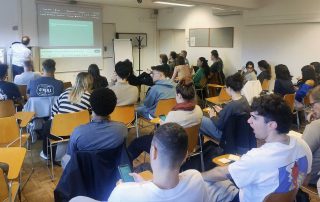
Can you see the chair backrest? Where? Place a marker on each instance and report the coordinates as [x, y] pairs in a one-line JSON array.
[[265, 85], [64, 124], [165, 106], [283, 197], [124, 114], [7, 108], [193, 134], [289, 99], [9, 130], [23, 91], [4, 192], [224, 96], [67, 85]]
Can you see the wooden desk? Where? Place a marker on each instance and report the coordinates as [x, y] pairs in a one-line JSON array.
[[218, 160], [146, 175], [25, 118], [14, 157]]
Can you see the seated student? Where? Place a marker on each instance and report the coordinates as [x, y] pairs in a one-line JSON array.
[[307, 82], [202, 74], [216, 68], [100, 133], [316, 66], [312, 136], [8, 91], [214, 125], [184, 53], [164, 62], [186, 113], [46, 85], [250, 74], [162, 89], [167, 153], [27, 75], [98, 80], [265, 73], [172, 61], [181, 70], [283, 84], [126, 93], [278, 166], [74, 99]]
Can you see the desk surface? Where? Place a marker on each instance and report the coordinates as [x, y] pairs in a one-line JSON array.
[[13, 156], [219, 160]]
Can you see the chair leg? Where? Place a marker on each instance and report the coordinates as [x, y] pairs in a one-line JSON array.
[[201, 153], [48, 143], [52, 173], [137, 125], [298, 120]]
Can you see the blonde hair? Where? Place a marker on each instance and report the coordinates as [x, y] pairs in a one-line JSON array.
[[83, 84]]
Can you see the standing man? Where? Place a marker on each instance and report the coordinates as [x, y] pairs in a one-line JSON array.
[[278, 166], [184, 55], [217, 68], [19, 52]]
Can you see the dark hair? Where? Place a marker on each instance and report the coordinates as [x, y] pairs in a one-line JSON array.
[[28, 63], [266, 67], [308, 73], [93, 69], [25, 40], [205, 66], [3, 71], [164, 58], [173, 54], [186, 88], [49, 65], [282, 72], [180, 60], [215, 53], [249, 63], [103, 101], [235, 82], [124, 69], [160, 68], [184, 52], [172, 143], [273, 108], [316, 66]]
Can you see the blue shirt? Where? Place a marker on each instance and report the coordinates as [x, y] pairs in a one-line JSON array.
[[97, 135], [9, 91], [45, 87]]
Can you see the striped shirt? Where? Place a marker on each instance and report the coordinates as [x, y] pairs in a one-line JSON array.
[[63, 104]]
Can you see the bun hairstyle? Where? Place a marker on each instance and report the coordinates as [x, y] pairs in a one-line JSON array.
[[235, 82], [186, 88]]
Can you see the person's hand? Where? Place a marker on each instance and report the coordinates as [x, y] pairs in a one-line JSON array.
[[137, 177], [217, 108], [161, 122], [212, 113]]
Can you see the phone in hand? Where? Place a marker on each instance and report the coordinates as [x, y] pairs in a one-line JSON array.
[[163, 117], [124, 171]]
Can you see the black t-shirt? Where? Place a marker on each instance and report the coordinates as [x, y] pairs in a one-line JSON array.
[[9, 91]]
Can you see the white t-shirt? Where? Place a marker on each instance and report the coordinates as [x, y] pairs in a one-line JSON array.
[[191, 188], [274, 167], [25, 78], [19, 53], [185, 118]]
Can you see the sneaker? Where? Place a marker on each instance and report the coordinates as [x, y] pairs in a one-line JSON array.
[[42, 155]]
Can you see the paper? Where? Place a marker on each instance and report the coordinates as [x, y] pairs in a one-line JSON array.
[[193, 41], [294, 133], [233, 157], [224, 160]]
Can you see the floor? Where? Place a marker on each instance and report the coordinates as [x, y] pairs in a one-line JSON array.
[[40, 187]]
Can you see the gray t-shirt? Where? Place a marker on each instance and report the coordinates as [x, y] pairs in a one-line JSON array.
[[311, 135], [126, 93], [25, 78]]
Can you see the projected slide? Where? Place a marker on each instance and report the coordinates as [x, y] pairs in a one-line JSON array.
[[74, 53], [70, 33]]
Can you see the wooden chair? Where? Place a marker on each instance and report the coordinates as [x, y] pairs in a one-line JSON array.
[[283, 197], [265, 85], [67, 85], [8, 191], [23, 91], [9, 133], [7, 108], [124, 114], [222, 98], [193, 137], [164, 106], [62, 126]]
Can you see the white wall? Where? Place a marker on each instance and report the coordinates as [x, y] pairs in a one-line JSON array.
[[202, 17]]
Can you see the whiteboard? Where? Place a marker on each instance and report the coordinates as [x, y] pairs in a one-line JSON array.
[[122, 50]]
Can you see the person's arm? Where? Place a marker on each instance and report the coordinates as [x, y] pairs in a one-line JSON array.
[[175, 73], [151, 98], [220, 173], [302, 92], [197, 77]]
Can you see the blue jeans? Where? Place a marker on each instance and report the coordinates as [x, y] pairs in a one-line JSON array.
[[208, 128]]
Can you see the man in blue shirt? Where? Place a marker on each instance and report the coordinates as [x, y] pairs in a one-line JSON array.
[[46, 85], [100, 133], [8, 91]]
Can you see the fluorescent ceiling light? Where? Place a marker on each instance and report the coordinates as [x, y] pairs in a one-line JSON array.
[[217, 8], [173, 4]]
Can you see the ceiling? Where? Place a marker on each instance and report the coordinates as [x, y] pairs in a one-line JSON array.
[[225, 4]]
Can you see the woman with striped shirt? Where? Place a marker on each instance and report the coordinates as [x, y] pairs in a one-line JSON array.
[[74, 99]]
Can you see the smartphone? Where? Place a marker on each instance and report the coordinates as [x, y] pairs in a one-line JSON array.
[[163, 117], [124, 171]]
